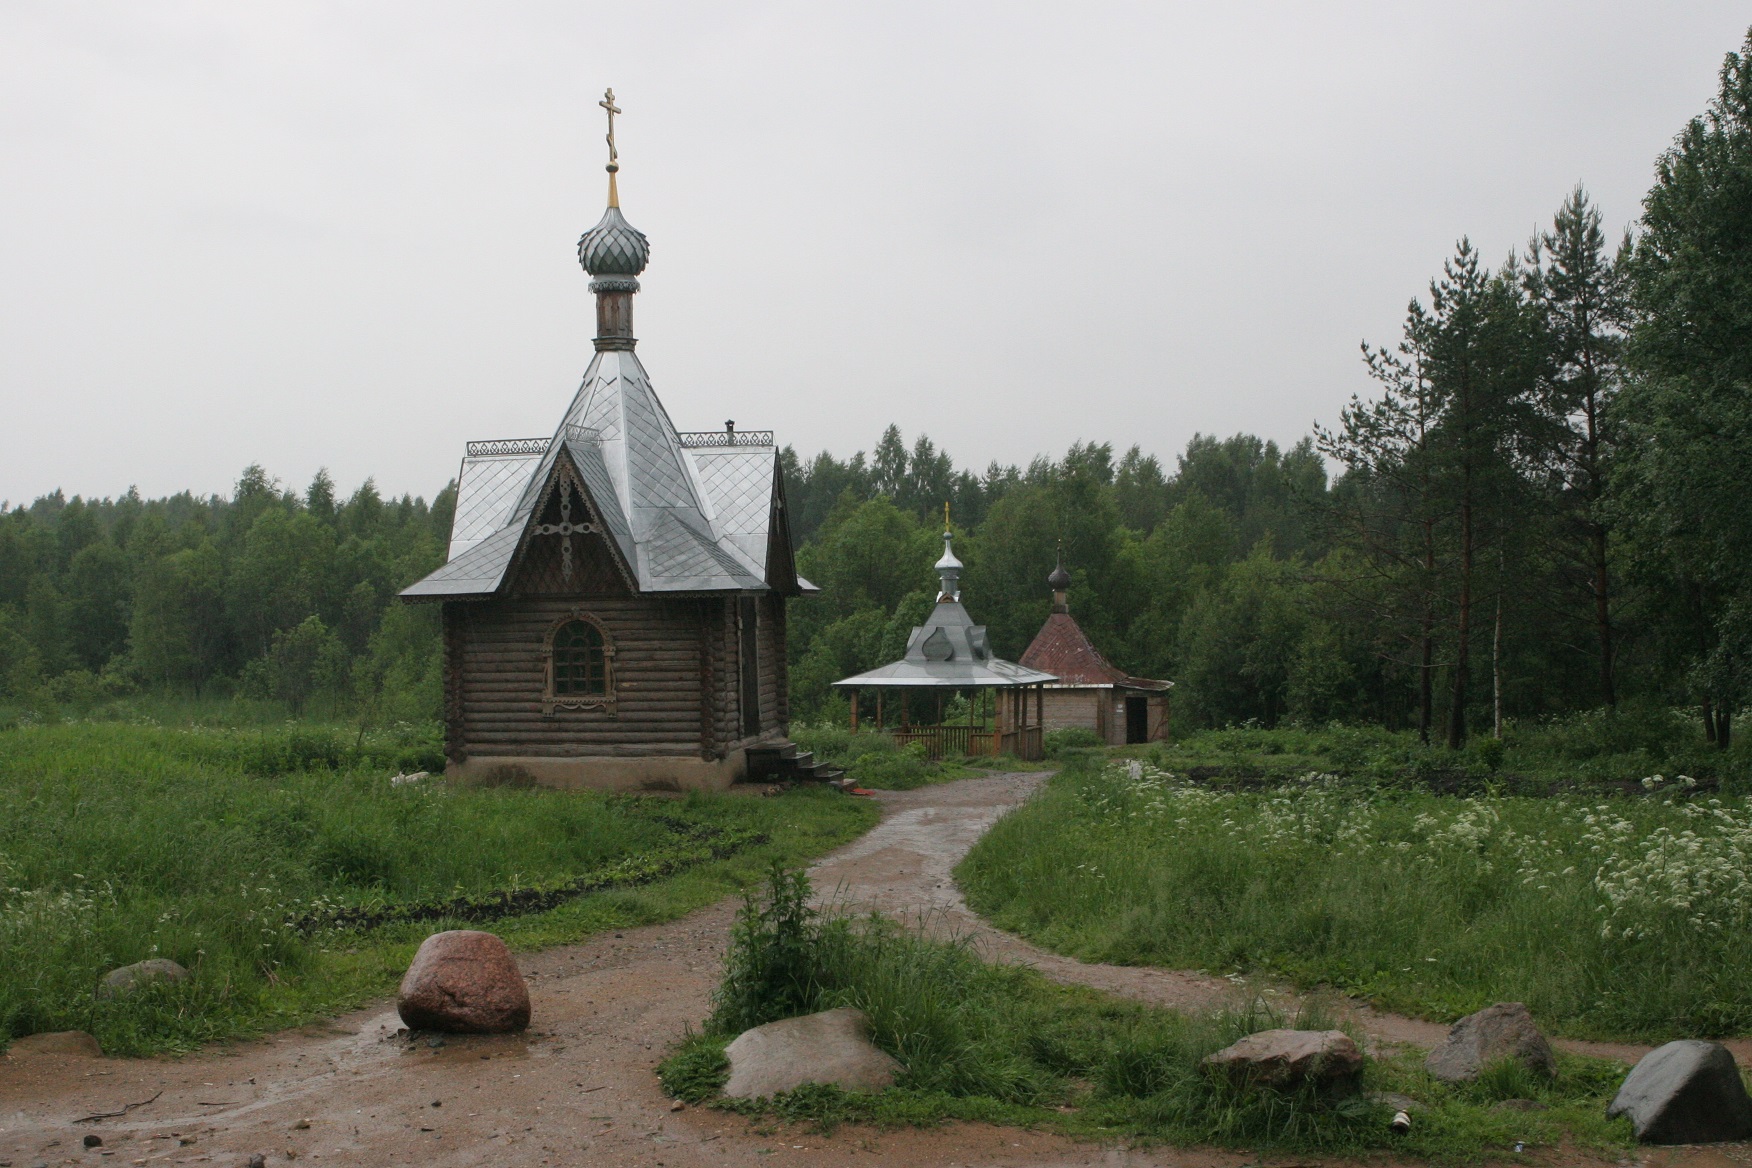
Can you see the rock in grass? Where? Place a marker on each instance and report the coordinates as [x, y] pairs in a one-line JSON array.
[[830, 1047], [1502, 1031], [1287, 1059], [1686, 1092], [464, 982], [56, 1042], [127, 979]]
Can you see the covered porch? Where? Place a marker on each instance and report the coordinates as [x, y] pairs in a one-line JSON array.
[[1001, 719], [949, 655]]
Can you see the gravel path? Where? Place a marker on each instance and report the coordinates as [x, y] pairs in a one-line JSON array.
[[578, 1087]]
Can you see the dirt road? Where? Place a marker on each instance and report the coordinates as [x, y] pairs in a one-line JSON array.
[[578, 1088]]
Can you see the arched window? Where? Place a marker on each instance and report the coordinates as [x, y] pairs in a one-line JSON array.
[[580, 666]]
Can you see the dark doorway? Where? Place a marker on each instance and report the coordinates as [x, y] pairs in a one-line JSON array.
[[748, 626], [1137, 720]]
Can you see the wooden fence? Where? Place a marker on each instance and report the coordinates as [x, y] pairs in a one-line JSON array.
[[939, 741]]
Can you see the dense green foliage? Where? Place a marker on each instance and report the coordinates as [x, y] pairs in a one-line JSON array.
[[268, 595], [231, 852], [1542, 509], [1624, 917], [1000, 1043]]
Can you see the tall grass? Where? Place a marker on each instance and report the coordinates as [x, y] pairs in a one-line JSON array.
[[1590, 748], [1620, 917], [1001, 1043], [122, 842]]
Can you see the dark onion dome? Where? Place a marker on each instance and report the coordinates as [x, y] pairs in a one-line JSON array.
[[614, 247], [1059, 580]]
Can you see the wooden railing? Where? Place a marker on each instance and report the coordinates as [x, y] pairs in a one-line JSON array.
[[939, 741], [1026, 743]]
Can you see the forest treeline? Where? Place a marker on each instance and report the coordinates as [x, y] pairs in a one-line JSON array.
[[1541, 506], [271, 594]]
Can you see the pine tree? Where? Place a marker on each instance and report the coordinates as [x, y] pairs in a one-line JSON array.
[[1687, 414], [1580, 290]]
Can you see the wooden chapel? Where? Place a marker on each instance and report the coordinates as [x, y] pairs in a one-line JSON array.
[[614, 598]]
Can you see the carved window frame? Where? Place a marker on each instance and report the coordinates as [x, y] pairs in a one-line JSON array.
[[551, 702]]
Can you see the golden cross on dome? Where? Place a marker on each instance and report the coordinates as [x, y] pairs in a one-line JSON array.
[[945, 515], [607, 103]]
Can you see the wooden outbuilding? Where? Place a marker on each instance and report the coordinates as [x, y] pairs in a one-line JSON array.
[[614, 599], [1090, 693]]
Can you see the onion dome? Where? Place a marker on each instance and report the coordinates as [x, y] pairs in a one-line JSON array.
[[949, 571], [614, 248], [1059, 580]]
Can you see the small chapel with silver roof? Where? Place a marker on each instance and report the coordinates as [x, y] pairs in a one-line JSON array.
[[614, 597]]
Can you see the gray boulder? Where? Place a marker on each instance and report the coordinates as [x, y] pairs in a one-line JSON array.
[[55, 1042], [1687, 1092], [1286, 1059], [129, 978], [1502, 1031], [830, 1047]]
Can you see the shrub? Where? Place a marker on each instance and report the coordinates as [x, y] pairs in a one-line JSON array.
[[893, 770], [771, 969], [1058, 742], [839, 744], [1489, 752]]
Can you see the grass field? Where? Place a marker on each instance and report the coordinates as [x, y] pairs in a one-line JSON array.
[[1611, 916], [1594, 749], [234, 852], [1003, 1044]]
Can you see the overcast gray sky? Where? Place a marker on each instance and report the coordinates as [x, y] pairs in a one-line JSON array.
[[341, 234]]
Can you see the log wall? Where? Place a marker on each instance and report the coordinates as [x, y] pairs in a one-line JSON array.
[[772, 662], [718, 629], [657, 671]]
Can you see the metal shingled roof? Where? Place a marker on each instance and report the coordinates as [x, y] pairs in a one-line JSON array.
[[487, 488], [586, 453], [950, 651], [738, 485], [686, 520], [476, 572]]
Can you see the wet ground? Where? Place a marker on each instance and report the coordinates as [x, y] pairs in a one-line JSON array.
[[578, 1088]]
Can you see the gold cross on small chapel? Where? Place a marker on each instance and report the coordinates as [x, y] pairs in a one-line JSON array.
[[607, 103]]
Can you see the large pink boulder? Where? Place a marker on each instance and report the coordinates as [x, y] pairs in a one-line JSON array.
[[464, 982]]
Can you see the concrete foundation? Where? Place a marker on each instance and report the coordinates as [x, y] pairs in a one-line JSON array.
[[604, 774]]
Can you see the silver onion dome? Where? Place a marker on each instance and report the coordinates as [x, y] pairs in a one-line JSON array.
[[614, 247], [1059, 580]]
